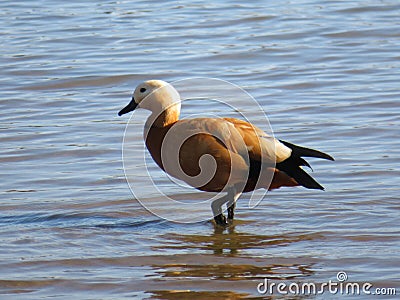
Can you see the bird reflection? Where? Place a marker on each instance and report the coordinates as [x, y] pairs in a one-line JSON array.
[[203, 252], [224, 239]]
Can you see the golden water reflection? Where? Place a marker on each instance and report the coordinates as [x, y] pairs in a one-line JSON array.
[[220, 259], [193, 295], [227, 241]]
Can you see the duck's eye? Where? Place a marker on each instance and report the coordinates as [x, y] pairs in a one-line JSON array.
[[142, 90]]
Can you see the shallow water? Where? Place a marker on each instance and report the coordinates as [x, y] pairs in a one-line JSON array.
[[325, 72]]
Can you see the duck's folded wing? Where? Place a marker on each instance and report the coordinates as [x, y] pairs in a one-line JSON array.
[[260, 146]]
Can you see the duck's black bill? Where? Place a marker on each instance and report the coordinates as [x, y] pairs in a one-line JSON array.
[[130, 107]]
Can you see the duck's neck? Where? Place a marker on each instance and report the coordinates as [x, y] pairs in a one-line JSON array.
[[167, 117]]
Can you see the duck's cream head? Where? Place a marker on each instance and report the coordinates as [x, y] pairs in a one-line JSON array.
[[160, 98]]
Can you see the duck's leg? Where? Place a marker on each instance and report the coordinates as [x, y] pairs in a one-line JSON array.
[[231, 210], [231, 204], [216, 206]]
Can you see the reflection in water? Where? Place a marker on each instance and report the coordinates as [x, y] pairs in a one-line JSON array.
[[193, 295], [221, 239], [225, 262], [234, 272], [228, 243]]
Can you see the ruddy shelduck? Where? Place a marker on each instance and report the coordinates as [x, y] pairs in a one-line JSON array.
[[217, 154]]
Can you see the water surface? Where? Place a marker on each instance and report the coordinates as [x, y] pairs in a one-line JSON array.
[[325, 72]]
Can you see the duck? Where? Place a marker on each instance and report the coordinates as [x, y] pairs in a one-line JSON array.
[[224, 155]]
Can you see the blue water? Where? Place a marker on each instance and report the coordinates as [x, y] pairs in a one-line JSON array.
[[325, 72]]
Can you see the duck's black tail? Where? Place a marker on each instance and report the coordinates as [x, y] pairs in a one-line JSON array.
[[292, 165]]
